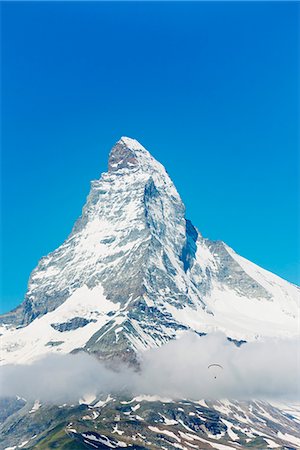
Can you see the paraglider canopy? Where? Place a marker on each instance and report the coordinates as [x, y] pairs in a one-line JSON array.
[[215, 369]]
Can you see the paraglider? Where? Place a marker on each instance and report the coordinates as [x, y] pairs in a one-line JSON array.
[[215, 369]]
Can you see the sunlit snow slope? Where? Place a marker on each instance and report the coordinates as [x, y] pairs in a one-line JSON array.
[[135, 273]]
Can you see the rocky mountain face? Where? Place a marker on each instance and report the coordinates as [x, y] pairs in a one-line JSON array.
[[150, 423], [133, 274]]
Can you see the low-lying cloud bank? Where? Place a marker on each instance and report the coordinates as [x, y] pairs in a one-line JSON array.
[[179, 369], [254, 370]]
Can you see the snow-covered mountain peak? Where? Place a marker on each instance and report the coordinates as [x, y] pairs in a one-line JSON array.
[[134, 273], [129, 155], [125, 154], [133, 144]]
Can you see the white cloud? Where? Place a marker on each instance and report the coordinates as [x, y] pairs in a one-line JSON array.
[[255, 370], [179, 369]]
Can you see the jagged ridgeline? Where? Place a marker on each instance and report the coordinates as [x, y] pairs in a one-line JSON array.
[[134, 272]]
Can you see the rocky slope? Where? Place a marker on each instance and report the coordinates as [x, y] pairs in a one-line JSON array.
[[151, 423]]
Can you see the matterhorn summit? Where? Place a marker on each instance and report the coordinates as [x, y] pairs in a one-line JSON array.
[[134, 273], [131, 279]]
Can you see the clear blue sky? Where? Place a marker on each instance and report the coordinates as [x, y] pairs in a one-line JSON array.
[[211, 89]]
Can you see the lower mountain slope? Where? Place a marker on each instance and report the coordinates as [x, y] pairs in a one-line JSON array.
[[152, 423], [220, 292]]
